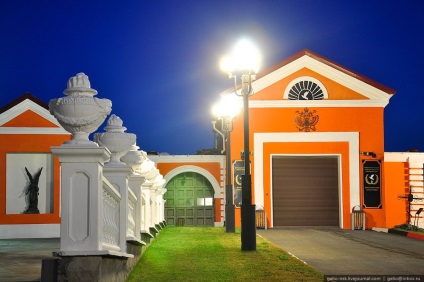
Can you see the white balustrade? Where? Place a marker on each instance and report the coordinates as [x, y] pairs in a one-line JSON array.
[[118, 176], [104, 204], [111, 202], [132, 203]]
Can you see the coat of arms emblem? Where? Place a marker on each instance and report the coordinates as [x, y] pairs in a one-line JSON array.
[[306, 120]]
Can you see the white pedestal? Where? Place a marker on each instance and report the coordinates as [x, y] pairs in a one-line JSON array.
[[147, 207], [154, 206], [81, 200], [135, 181]]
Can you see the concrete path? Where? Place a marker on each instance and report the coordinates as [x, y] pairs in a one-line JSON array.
[[20, 259], [330, 250], [350, 252]]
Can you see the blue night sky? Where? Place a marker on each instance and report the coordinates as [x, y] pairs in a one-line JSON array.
[[158, 61]]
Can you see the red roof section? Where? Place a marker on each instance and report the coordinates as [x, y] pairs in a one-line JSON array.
[[21, 99], [306, 52]]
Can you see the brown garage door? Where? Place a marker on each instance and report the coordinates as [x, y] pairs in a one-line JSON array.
[[305, 191]]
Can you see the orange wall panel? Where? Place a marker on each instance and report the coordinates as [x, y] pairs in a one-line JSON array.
[[368, 121], [26, 143], [238, 217], [212, 167], [29, 119]]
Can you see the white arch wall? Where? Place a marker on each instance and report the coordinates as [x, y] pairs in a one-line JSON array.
[[191, 168], [217, 187]]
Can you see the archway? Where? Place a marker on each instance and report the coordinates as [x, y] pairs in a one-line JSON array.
[[189, 200]]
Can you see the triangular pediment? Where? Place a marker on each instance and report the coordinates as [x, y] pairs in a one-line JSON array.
[[28, 113], [29, 118], [337, 85]]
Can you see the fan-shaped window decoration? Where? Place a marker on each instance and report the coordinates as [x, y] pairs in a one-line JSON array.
[[305, 88]]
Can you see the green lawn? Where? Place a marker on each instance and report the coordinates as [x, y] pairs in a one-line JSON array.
[[211, 254]]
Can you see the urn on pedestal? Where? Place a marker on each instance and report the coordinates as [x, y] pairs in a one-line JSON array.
[[116, 140], [134, 157], [79, 112], [147, 168]]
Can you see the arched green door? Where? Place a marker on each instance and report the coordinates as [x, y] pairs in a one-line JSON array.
[[189, 200]]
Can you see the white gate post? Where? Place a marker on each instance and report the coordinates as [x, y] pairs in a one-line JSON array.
[[134, 158], [119, 143], [135, 182], [82, 219], [162, 204], [147, 207], [81, 227], [153, 207]]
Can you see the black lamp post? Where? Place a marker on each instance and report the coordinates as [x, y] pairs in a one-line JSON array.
[[245, 58], [226, 111], [230, 222], [248, 219]]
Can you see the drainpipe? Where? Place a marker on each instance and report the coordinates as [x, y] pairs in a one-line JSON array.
[[220, 133]]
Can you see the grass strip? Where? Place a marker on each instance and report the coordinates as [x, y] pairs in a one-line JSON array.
[[211, 254]]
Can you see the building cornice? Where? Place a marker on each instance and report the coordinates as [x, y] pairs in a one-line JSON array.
[[33, 130], [380, 103]]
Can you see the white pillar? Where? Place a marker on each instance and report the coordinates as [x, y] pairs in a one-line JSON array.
[[135, 182], [147, 207], [81, 226], [153, 208], [162, 201]]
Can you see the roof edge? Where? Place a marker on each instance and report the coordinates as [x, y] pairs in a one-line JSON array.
[[22, 98], [306, 52]]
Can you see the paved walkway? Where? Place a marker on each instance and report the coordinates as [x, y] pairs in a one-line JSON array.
[[20, 259], [351, 252], [330, 250]]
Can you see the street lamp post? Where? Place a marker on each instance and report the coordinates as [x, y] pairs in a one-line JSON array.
[[226, 110], [245, 58], [230, 221]]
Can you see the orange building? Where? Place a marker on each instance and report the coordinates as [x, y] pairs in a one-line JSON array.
[[27, 130], [317, 153], [317, 146]]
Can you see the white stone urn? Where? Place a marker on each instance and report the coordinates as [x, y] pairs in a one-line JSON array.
[[134, 157], [116, 140], [148, 169], [158, 180], [79, 112]]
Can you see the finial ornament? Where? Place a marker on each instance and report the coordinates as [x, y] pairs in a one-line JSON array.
[[116, 140], [79, 83], [79, 112], [134, 157]]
